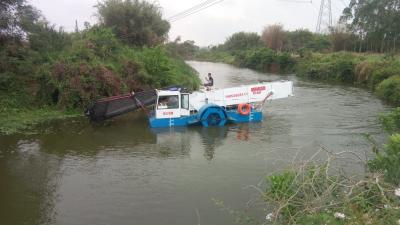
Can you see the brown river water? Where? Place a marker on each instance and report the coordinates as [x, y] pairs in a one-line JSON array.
[[122, 172]]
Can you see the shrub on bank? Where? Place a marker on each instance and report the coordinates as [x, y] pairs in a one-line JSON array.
[[332, 67], [165, 71], [387, 160], [98, 65], [389, 90], [265, 60], [262, 59], [215, 56], [348, 68], [381, 73], [391, 121]]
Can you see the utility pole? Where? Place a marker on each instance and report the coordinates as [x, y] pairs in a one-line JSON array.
[[76, 26], [324, 16]]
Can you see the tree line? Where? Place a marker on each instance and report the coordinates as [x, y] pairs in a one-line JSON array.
[[365, 26]]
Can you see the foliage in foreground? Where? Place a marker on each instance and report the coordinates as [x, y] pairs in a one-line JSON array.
[[317, 194], [311, 195], [387, 160]]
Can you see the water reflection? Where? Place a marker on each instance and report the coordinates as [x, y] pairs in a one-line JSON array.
[[28, 182], [46, 171], [126, 134], [212, 138]]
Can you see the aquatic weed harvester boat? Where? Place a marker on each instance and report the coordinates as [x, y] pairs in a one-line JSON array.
[[176, 106]]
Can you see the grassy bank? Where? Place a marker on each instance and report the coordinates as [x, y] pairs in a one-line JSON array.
[[39, 85], [379, 73], [24, 120]]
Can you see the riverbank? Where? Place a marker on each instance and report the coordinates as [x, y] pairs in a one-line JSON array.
[[260, 59], [24, 120], [37, 87]]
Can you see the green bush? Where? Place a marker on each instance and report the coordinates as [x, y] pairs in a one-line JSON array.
[[388, 160], [264, 59], [286, 62], [391, 121], [331, 67], [259, 59], [345, 70], [290, 191], [215, 56], [166, 71], [311, 194], [7, 80], [383, 73], [99, 65], [389, 90], [282, 186]]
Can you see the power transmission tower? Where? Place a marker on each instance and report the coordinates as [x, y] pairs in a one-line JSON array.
[[324, 17]]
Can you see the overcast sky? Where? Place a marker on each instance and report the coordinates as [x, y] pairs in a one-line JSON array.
[[207, 27]]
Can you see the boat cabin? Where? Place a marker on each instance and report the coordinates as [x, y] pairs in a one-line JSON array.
[[172, 104]]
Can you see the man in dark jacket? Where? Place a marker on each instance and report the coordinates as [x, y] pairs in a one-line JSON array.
[[210, 81]]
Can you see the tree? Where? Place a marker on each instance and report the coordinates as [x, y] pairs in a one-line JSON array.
[[273, 36], [242, 41], [320, 43], [341, 39], [10, 19], [376, 22], [135, 22], [185, 50], [298, 39]]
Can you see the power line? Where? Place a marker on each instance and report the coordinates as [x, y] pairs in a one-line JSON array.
[[191, 9], [193, 12], [196, 11]]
